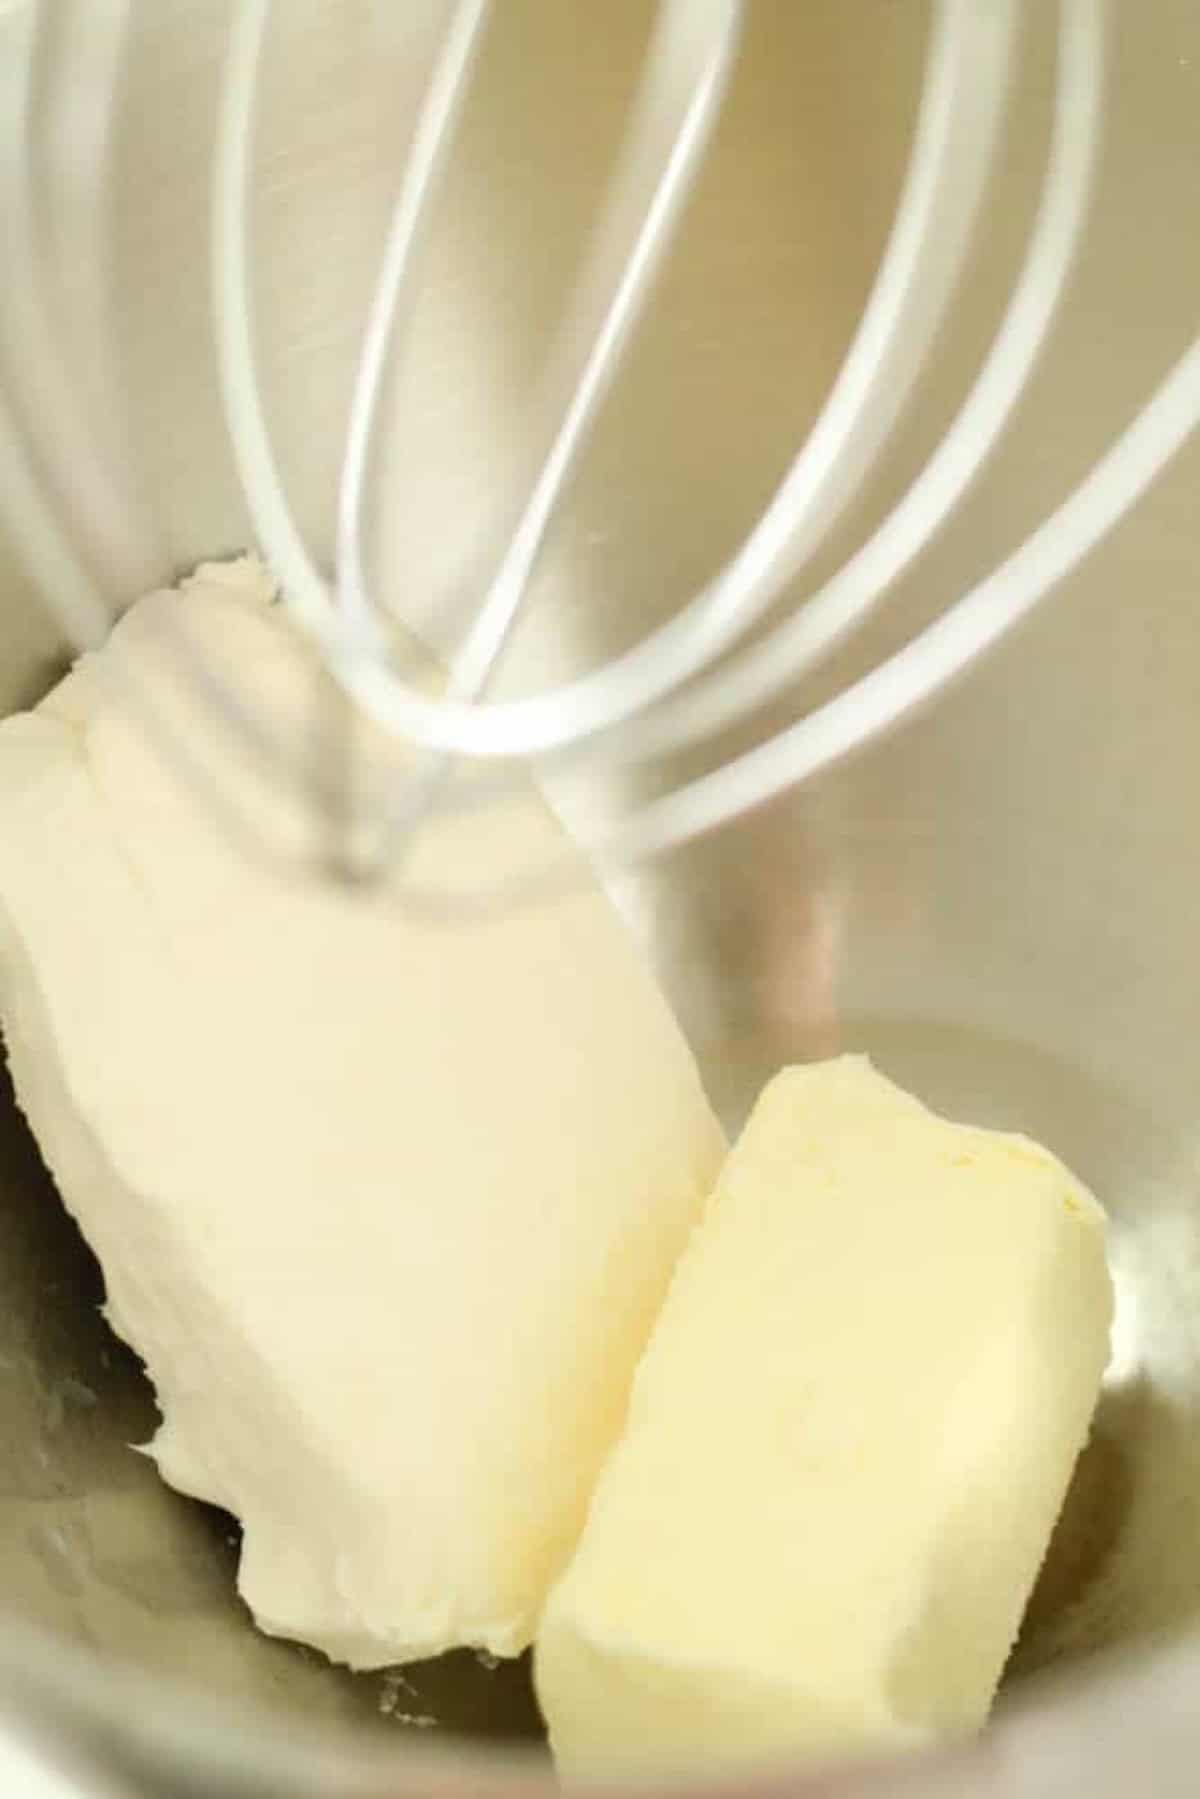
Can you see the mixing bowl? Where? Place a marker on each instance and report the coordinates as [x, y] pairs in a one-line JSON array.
[[999, 902]]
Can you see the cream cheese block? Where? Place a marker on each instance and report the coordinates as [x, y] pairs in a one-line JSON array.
[[387, 1204], [848, 1442]]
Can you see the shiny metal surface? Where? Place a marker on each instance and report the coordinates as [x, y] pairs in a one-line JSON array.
[[999, 902]]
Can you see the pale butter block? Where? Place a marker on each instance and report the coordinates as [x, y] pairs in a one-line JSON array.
[[387, 1205], [848, 1442]]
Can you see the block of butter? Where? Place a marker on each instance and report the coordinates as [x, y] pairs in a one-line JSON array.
[[387, 1203], [848, 1442]]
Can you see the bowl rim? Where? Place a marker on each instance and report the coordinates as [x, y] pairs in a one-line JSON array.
[[118, 1732]]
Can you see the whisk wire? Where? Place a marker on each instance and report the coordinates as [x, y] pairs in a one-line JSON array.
[[688, 66], [431, 143], [823, 621], [694, 676], [671, 690], [966, 80]]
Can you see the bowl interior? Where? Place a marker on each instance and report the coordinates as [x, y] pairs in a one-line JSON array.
[[998, 903]]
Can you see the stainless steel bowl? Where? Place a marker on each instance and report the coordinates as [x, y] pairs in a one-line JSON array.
[[1000, 903]]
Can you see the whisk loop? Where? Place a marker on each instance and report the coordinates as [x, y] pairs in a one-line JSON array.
[[718, 660]]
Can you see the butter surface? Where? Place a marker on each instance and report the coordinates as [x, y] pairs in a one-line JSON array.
[[387, 1206], [848, 1442]]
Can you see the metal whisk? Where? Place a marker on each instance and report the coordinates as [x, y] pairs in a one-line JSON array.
[[712, 664]]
